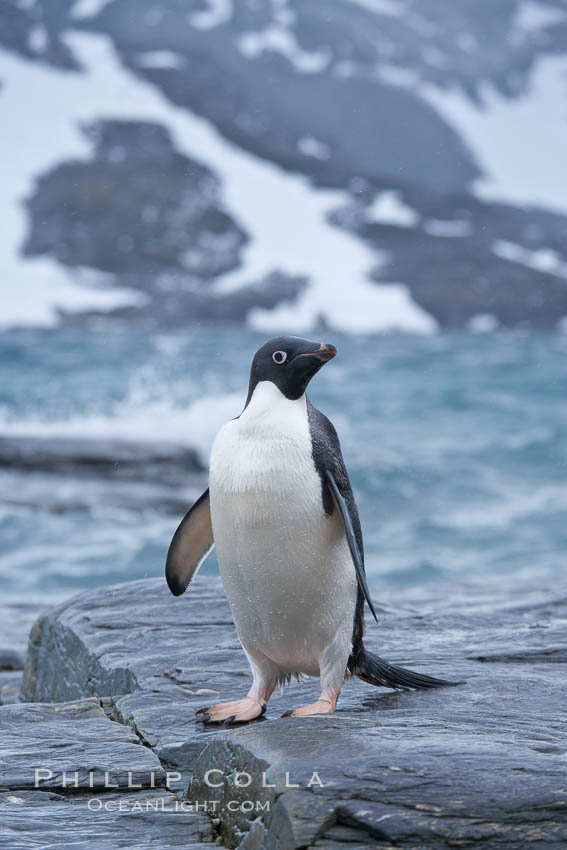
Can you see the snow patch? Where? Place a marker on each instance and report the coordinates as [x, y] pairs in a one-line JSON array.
[[88, 8], [541, 260], [519, 143], [388, 307], [449, 229], [308, 146], [278, 39], [161, 59], [393, 8], [388, 208], [532, 17], [286, 216], [34, 291], [38, 39], [396, 76], [218, 13]]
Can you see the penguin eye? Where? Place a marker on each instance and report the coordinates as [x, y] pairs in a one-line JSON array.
[[279, 357]]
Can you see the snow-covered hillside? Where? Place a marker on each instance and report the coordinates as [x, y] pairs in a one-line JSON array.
[[376, 165]]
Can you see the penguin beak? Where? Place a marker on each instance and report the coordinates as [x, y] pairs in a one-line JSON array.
[[324, 352]]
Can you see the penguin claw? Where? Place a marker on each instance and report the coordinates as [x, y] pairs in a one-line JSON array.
[[322, 706], [231, 713]]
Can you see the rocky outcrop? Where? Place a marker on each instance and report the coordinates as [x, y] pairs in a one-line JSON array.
[[348, 95], [78, 474], [75, 745], [137, 208], [34, 32], [479, 764], [141, 215], [69, 776], [46, 820]]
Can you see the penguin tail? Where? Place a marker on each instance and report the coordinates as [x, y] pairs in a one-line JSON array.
[[374, 670]]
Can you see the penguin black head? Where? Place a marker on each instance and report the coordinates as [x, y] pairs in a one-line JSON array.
[[289, 362]]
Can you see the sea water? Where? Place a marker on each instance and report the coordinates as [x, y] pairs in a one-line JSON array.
[[456, 447]]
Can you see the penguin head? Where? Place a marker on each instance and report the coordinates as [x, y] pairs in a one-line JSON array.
[[289, 362]]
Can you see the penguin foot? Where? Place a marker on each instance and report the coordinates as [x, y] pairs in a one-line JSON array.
[[322, 706], [230, 713]]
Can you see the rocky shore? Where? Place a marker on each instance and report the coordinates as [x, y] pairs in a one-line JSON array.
[[100, 745]]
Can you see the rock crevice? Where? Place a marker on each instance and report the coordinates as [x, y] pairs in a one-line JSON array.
[[480, 765]]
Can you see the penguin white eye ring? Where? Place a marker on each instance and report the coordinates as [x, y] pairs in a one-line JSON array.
[[282, 516]]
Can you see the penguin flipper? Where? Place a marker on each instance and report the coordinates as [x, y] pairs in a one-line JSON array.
[[341, 504], [190, 545]]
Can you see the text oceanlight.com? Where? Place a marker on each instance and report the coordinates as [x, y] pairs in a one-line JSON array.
[[95, 804], [131, 781]]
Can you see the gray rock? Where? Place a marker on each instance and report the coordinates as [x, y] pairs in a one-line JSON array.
[[351, 111], [60, 474], [10, 683], [435, 264], [44, 820], [175, 308], [16, 619], [109, 786], [138, 207], [33, 32], [71, 745], [181, 653], [11, 659], [481, 763]]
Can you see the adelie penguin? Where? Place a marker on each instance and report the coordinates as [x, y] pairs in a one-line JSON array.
[[281, 513]]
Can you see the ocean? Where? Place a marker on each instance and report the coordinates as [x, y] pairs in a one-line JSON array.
[[456, 446]]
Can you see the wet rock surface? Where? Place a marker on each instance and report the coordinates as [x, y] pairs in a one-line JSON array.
[[72, 775], [72, 745], [45, 820], [482, 764], [61, 474]]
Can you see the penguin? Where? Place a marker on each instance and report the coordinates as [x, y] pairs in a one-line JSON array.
[[282, 516]]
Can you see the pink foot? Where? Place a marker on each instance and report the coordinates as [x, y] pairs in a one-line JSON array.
[[322, 706], [239, 711]]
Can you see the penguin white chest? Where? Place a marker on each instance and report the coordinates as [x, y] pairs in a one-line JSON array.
[[285, 565]]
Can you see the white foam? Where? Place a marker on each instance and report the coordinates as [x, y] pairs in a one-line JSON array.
[[138, 418], [285, 215], [512, 507], [483, 323], [520, 143]]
